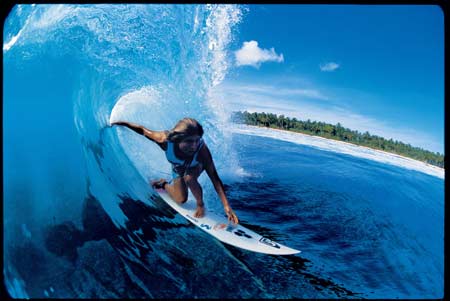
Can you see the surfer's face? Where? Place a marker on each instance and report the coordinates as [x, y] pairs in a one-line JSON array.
[[189, 144]]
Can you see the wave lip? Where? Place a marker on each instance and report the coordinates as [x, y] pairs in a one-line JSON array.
[[342, 147]]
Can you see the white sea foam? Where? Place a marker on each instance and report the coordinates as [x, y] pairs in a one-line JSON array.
[[41, 17], [53, 14], [219, 27], [342, 147], [11, 42]]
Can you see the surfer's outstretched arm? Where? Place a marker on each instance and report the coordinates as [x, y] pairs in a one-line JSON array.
[[218, 185], [158, 137]]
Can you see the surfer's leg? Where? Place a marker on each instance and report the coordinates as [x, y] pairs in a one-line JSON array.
[[177, 190], [191, 180]]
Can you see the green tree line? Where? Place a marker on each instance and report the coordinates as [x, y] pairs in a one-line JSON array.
[[338, 132]]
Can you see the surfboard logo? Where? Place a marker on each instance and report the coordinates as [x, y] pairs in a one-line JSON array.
[[269, 242], [191, 218], [208, 227], [220, 226], [242, 233]]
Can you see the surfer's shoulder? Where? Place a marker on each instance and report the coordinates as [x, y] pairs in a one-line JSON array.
[[204, 154], [163, 139]]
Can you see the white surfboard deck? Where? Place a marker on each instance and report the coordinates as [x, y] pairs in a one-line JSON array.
[[225, 231]]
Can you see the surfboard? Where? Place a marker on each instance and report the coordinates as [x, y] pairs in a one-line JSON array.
[[225, 231]]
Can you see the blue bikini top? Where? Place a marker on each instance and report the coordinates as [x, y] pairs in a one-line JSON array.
[[180, 166]]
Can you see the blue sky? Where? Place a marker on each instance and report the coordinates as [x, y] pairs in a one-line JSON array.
[[376, 68]]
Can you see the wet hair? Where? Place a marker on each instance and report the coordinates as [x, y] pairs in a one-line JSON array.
[[184, 128]]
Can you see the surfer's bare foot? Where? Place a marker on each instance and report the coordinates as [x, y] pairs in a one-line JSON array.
[[200, 212], [158, 183]]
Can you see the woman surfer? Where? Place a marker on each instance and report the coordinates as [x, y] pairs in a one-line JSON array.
[[189, 156]]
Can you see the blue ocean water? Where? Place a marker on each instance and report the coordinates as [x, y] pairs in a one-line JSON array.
[[81, 221]]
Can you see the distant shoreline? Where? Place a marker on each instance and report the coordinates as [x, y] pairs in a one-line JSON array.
[[350, 144], [339, 133]]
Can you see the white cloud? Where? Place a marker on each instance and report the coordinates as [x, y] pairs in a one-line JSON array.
[[281, 91], [329, 67], [251, 55]]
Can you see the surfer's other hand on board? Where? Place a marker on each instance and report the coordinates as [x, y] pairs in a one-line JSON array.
[[189, 156], [231, 215]]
